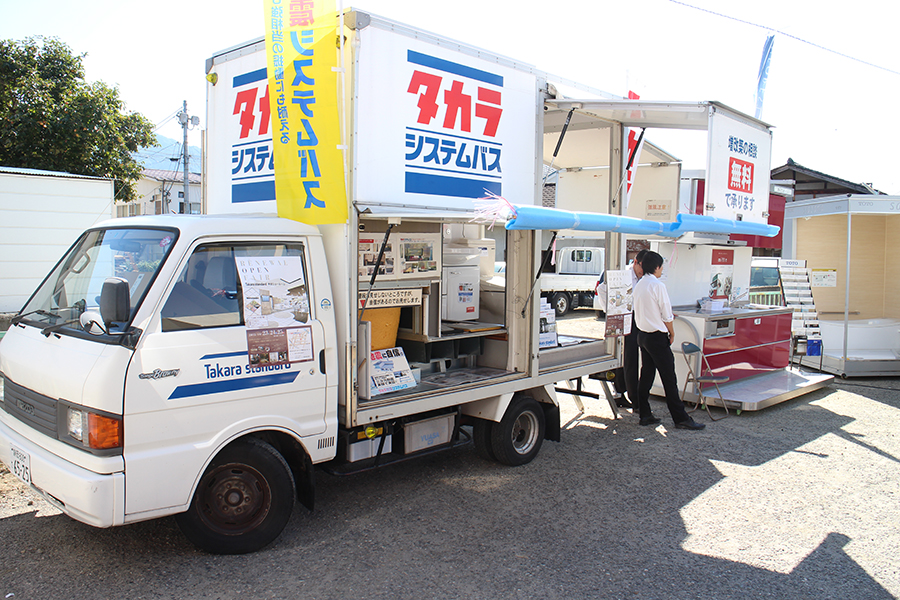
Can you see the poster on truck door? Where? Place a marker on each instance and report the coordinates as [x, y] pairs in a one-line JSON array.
[[276, 309], [441, 128], [738, 166]]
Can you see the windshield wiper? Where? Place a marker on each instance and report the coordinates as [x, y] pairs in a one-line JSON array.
[[54, 328], [18, 318]]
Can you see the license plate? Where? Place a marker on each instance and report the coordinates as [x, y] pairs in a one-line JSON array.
[[21, 464]]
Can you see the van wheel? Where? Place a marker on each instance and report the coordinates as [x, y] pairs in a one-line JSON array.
[[481, 436], [243, 500], [517, 438], [560, 303]]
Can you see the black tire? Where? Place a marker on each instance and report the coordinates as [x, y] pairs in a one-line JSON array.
[[517, 438], [243, 500], [481, 436], [561, 303]]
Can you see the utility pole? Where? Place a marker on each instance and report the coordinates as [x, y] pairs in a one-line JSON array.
[[185, 120]]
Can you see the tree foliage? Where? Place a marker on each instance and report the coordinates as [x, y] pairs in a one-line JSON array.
[[52, 119]]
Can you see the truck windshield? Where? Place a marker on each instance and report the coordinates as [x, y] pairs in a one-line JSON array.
[[74, 285]]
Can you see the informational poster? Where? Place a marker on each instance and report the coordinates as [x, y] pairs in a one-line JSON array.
[[368, 256], [276, 308], [388, 298], [722, 279], [406, 256], [389, 371], [739, 157], [548, 337], [420, 255], [279, 345], [658, 210], [823, 278], [618, 303]]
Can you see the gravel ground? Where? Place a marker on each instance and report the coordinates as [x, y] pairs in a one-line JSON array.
[[799, 500]]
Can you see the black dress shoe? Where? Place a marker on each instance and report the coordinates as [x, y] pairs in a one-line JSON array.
[[690, 424], [651, 420], [624, 403]]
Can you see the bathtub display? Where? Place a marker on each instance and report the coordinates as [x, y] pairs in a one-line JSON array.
[[851, 240]]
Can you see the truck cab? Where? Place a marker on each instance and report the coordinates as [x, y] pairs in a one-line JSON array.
[[141, 329]]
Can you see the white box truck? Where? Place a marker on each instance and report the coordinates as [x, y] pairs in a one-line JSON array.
[[570, 282], [207, 366]]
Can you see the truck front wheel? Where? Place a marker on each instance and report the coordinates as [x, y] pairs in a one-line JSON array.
[[243, 500], [561, 303], [517, 438]]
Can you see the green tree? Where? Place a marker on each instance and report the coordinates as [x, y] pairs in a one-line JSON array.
[[51, 118]]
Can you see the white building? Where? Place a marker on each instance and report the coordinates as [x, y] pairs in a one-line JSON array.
[[41, 215], [161, 192]]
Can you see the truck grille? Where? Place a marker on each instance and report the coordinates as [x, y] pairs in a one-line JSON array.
[[33, 409]]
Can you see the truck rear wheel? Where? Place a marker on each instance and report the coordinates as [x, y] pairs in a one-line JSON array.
[[517, 438], [561, 303], [243, 500], [481, 436]]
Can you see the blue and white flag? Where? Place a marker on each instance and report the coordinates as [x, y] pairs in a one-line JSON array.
[[763, 73]]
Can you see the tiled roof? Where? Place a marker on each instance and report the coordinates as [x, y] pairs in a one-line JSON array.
[[176, 176]]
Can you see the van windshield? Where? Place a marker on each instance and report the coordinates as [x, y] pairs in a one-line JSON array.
[[74, 285]]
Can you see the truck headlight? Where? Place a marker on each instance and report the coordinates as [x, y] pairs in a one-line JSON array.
[[93, 430], [75, 423]]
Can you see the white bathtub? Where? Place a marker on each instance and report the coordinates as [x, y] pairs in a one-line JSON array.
[[862, 334]]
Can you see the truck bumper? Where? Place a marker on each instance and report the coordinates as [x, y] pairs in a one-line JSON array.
[[89, 497]]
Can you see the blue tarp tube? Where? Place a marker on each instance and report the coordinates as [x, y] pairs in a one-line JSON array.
[[702, 223], [543, 218], [540, 217]]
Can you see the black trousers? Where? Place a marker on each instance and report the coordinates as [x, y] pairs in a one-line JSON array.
[[657, 357], [627, 375], [630, 365]]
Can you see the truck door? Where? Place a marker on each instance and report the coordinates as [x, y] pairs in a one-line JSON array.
[[221, 359]]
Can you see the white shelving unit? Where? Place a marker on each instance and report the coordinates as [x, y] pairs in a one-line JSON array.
[[795, 285]]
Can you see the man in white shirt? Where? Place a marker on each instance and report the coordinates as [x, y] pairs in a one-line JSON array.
[[656, 332], [626, 379]]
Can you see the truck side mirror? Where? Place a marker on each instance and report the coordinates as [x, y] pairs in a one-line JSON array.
[[115, 301]]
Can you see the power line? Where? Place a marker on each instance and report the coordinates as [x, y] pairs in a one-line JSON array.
[[164, 121], [794, 37]]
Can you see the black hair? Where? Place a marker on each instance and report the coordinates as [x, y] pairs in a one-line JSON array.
[[651, 262], [640, 255]]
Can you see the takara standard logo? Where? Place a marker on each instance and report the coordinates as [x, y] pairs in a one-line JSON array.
[[159, 374]]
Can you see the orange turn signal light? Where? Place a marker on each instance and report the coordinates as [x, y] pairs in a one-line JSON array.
[[104, 433]]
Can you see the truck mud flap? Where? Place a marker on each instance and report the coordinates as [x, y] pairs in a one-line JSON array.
[[551, 422]]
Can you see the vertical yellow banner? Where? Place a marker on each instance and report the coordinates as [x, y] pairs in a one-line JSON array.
[[309, 166]]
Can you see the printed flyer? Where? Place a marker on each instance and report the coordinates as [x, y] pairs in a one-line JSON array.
[[276, 305], [618, 303], [722, 276], [389, 371]]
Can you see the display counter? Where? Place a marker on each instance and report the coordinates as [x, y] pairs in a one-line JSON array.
[[751, 346], [738, 342]]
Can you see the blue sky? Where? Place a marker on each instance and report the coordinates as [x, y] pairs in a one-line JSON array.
[[831, 113]]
